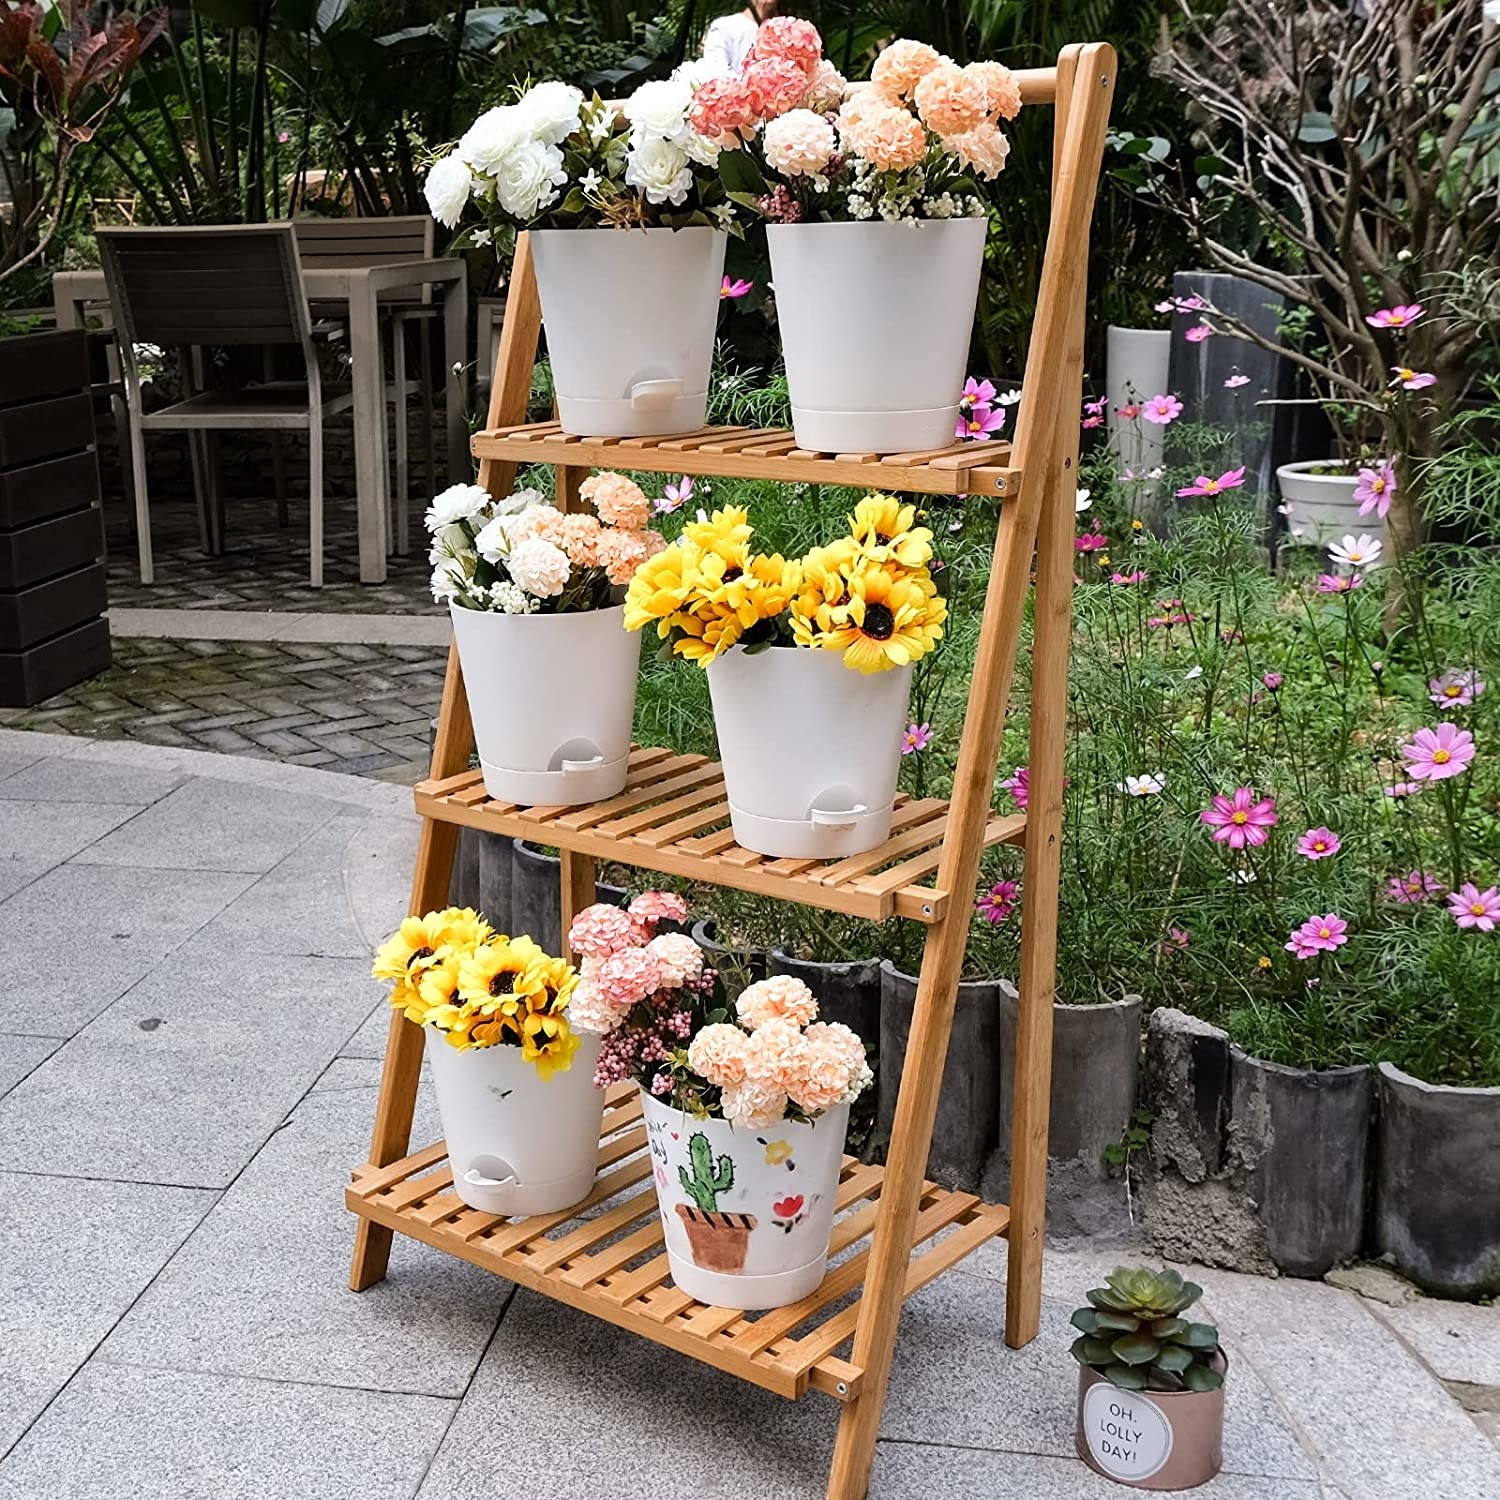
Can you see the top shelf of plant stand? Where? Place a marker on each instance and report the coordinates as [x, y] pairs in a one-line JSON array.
[[761, 453]]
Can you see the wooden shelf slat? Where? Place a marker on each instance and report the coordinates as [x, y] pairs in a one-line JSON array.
[[585, 1258]]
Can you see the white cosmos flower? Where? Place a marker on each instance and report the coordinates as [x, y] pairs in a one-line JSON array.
[[552, 111], [447, 189], [1009, 398], [1147, 784], [1081, 502], [660, 169], [1356, 552], [459, 502], [1193, 672], [1241, 877]]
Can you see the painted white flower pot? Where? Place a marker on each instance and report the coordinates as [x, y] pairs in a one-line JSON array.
[[875, 322], [1136, 362], [552, 698], [810, 748], [518, 1143], [1323, 507], [747, 1214], [630, 317]]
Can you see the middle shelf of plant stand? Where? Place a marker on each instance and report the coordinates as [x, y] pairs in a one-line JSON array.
[[673, 818], [605, 1255]]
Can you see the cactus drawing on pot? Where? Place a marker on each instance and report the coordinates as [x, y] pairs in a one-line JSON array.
[[717, 1241], [1133, 1334]]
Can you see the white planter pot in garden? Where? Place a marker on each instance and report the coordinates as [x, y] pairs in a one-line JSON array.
[[811, 749], [1136, 362], [875, 321], [518, 1143], [746, 1213], [630, 317], [1323, 507], [552, 698]]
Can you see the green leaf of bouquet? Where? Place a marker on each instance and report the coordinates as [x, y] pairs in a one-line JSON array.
[[740, 174]]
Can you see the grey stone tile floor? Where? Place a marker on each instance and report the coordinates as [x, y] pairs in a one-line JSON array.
[[190, 1070]]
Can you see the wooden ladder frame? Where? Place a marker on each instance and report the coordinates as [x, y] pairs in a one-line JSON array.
[[1036, 526]]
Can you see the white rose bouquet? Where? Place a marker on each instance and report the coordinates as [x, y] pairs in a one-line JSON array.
[[557, 159], [522, 556]]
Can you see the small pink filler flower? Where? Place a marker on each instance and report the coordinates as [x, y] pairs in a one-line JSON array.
[[1161, 410], [1436, 754], [1240, 819], [1319, 843], [1376, 488], [1472, 907], [1413, 887], [1231, 479], [1318, 935], [1403, 315], [917, 737]]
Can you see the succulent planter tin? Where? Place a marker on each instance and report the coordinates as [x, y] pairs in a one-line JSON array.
[[746, 1214], [1150, 1440]]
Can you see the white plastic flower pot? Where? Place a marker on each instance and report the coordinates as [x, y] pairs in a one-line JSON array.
[[810, 748], [746, 1214], [630, 317], [1323, 507], [518, 1143], [552, 698], [875, 322]]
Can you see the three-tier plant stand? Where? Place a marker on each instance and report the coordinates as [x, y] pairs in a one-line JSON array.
[[897, 1230]]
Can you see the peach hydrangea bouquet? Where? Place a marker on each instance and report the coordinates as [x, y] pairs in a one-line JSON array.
[[521, 555], [651, 995], [868, 594], [797, 142]]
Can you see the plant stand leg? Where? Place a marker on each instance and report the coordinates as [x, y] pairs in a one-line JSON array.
[[577, 890], [391, 1137]]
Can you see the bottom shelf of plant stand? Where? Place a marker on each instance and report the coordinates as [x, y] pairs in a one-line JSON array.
[[605, 1256]]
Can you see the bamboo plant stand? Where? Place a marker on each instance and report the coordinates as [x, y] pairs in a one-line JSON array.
[[897, 1230]]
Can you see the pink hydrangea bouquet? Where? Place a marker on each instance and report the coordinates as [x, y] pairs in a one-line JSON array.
[[650, 994], [797, 142], [558, 159], [521, 555]]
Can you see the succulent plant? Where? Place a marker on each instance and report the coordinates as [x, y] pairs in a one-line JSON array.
[[1133, 1333]]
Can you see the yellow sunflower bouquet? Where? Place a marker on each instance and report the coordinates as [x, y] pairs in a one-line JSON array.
[[452, 971], [869, 594]]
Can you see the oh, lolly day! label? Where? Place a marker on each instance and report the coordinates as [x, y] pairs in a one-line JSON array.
[[1128, 1435]]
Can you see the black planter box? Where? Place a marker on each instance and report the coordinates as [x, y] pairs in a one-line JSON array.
[[50, 488], [29, 676], [46, 609], [50, 548], [44, 429], [37, 365]]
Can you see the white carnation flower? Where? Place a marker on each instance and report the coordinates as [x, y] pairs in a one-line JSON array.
[[449, 541], [459, 502], [527, 179], [447, 582], [552, 111], [539, 567], [521, 500], [698, 70], [659, 108], [447, 189], [493, 540], [660, 170]]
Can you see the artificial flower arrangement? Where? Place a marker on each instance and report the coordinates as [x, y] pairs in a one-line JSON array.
[[521, 555], [797, 142], [868, 595], [451, 971], [559, 159], [651, 996]]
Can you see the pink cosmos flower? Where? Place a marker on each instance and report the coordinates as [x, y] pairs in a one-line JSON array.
[[1138, 576], [674, 496], [1455, 689], [1401, 316], [283, 137], [1090, 541], [975, 391], [1198, 332], [1472, 907], [1230, 479], [1376, 488], [1272, 680], [1240, 819], [1399, 791], [1436, 754], [1019, 786], [1095, 408], [997, 903], [1329, 584], [917, 737], [1318, 935], [1162, 410], [1179, 936], [1319, 843], [1413, 888], [1095, 421], [976, 423], [1234, 382], [733, 290], [1130, 411], [1411, 380]]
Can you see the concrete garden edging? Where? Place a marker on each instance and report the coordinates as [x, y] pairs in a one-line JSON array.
[[847, 991], [536, 895]]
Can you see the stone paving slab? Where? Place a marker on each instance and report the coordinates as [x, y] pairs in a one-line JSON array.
[[138, 1434], [45, 780], [20, 1054], [73, 1256], [262, 1288], [281, 625], [50, 832], [1457, 1341]]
